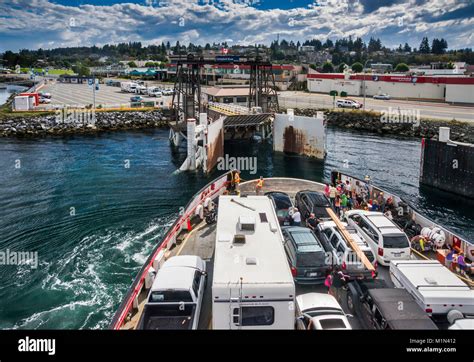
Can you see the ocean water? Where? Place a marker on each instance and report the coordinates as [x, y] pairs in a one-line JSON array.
[[94, 206]]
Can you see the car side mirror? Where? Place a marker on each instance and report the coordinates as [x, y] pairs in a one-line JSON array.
[[349, 316]]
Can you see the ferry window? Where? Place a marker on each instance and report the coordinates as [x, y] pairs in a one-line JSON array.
[[228, 100], [256, 316], [241, 99]]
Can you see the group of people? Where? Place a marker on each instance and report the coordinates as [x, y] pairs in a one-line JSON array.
[[344, 196], [233, 183], [458, 258]]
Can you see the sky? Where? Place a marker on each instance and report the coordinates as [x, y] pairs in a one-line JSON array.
[[33, 24]]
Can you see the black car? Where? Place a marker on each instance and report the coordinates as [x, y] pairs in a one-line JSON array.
[[312, 202], [282, 204], [306, 255]]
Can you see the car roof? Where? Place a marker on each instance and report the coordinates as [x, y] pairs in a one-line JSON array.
[[316, 300], [315, 197], [410, 316], [175, 278], [303, 245]]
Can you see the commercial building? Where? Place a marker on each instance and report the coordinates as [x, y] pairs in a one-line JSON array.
[[453, 89]]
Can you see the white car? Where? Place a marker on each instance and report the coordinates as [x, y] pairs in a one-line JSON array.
[[320, 311], [348, 103], [383, 96], [44, 100], [386, 239]]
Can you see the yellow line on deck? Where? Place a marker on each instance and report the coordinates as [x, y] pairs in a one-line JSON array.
[[187, 238]]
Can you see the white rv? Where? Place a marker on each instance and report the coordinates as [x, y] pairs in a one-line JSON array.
[[252, 287], [435, 288], [129, 87]]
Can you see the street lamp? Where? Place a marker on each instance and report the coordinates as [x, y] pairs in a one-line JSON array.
[[365, 65]]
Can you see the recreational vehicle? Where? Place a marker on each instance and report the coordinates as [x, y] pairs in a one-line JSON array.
[[435, 288], [252, 287]]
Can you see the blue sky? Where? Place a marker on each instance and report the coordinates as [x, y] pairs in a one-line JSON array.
[[64, 23]]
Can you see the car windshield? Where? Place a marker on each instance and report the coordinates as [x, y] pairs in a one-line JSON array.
[[395, 241], [281, 201]]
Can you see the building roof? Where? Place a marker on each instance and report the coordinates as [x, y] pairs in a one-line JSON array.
[[263, 246], [400, 78], [226, 91]]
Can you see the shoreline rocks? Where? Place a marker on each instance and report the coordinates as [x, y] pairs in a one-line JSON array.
[[371, 122], [62, 124]]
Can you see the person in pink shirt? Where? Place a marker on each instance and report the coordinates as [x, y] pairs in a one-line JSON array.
[[327, 189]]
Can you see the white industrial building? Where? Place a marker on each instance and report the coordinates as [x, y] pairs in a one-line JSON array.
[[455, 89]]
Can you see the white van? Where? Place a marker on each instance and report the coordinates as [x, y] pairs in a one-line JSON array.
[[154, 92], [387, 240], [435, 288]]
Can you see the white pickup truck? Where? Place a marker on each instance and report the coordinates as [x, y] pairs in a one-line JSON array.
[[175, 298]]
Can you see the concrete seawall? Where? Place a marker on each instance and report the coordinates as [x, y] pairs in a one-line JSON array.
[[58, 124], [372, 122]]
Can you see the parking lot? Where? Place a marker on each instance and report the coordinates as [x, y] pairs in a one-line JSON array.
[[81, 95]]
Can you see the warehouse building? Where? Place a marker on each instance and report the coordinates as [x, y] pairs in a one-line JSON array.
[[453, 89]]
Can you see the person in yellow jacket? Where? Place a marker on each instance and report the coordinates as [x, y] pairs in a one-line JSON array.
[[259, 185]]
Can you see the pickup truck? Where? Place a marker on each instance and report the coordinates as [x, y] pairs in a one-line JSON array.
[[175, 298]]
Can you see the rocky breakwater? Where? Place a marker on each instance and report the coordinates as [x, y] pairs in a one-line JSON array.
[[64, 122], [409, 125]]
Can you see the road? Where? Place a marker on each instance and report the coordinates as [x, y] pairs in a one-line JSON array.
[[439, 110]]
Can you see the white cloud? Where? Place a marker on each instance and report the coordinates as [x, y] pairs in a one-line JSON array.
[[37, 23]]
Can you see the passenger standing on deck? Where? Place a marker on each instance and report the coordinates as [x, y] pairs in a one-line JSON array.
[[259, 185], [344, 202], [337, 205], [348, 188], [237, 180], [327, 189], [296, 217], [332, 195], [312, 222], [449, 259]]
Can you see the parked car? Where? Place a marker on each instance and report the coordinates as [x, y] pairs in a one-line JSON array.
[[377, 306], [136, 99], [348, 103], [175, 298], [387, 240], [383, 96], [319, 311], [383, 311], [342, 254], [168, 92], [154, 92], [44, 100], [44, 94], [283, 205], [312, 202], [306, 255]]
